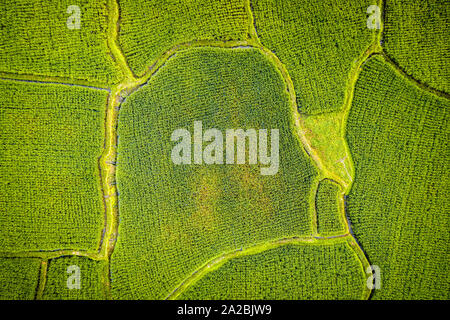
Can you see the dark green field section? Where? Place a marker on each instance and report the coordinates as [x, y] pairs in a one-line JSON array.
[[398, 135], [50, 140], [416, 37], [329, 209], [318, 42], [289, 272], [151, 27], [175, 218], [19, 278], [92, 279], [36, 40]]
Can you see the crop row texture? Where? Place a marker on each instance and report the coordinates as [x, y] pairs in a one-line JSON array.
[[150, 28], [416, 36], [50, 142], [398, 135], [319, 42], [19, 278], [61, 279], [300, 271], [37, 41], [189, 214]]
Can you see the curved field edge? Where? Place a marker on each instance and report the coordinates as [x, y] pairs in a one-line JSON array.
[[415, 136], [289, 87], [284, 28], [416, 39], [216, 263], [118, 95], [216, 68], [160, 61], [149, 28]]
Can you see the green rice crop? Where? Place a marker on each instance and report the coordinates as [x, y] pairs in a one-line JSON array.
[[329, 209], [151, 27], [398, 136], [92, 279], [50, 140], [174, 218], [37, 41], [19, 278], [300, 271], [416, 37], [87, 178], [324, 135], [319, 42]]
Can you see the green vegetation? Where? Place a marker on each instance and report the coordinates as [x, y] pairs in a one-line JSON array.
[[37, 41], [319, 42], [300, 271], [92, 279], [398, 135], [50, 141], [86, 122], [324, 136], [19, 278], [330, 209], [416, 37], [150, 28], [174, 218]]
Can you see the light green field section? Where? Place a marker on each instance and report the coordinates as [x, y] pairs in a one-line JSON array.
[[325, 136], [330, 209], [224, 231], [398, 205], [318, 42], [50, 141], [416, 37], [37, 41], [289, 272], [19, 278], [175, 218], [148, 28], [61, 274]]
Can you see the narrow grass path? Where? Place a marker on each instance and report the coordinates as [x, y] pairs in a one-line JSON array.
[[253, 41], [217, 262], [132, 82], [107, 161], [32, 78], [42, 280]]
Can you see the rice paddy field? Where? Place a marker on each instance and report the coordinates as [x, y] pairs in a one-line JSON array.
[[224, 149]]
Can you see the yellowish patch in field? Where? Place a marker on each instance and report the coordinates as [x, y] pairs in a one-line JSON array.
[[206, 194], [325, 137], [250, 183]]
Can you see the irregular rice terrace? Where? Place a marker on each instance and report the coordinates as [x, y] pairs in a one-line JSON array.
[[87, 179]]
